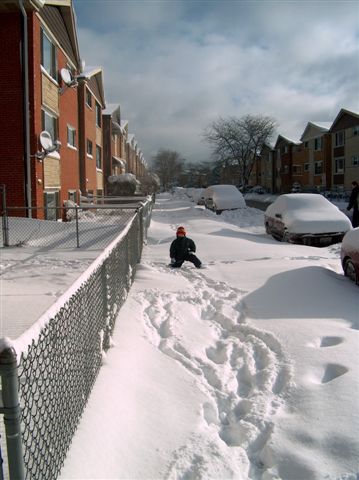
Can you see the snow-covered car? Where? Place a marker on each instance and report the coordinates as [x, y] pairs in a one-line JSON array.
[[296, 188], [349, 254], [257, 189], [196, 194], [223, 197], [305, 218]]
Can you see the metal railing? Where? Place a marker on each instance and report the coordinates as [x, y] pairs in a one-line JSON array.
[[57, 371]]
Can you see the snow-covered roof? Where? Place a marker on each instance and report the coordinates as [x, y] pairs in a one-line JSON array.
[[323, 125], [111, 108], [130, 138], [315, 129], [286, 139], [119, 160], [89, 72]]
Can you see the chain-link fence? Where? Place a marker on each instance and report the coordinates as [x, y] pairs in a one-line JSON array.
[[87, 226], [59, 368]]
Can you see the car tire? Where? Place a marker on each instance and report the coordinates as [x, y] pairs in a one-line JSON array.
[[285, 237], [349, 270]]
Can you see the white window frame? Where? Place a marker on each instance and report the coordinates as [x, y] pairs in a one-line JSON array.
[[355, 160], [88, 98], [98, 114], [339, 171], [53, 131], [318, 143], [318, 167], [98, 157], [339, 139], [51, 69], [71, 137], [88, 144], [356, 130]]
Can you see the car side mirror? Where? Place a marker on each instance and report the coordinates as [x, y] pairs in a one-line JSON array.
[[278, 215]]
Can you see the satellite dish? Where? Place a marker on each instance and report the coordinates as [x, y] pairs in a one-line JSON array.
[[46, 141], [66, 76]]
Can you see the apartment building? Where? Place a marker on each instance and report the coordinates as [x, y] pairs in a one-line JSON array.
[[114, 141], [91, 103], [38, 41], [345, 149], [267, 167], [312, 158], [283, 164]]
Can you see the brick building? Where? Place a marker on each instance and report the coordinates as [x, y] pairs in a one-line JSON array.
[[91, 103], [40, 41], [345, 150]]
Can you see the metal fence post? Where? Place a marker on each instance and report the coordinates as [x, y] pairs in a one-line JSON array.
[[10, 408], [5, 220], [77, 227]]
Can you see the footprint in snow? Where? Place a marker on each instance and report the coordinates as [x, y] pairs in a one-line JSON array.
[[243, 370]]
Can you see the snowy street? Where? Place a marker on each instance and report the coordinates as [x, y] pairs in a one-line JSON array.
[[245, 369]]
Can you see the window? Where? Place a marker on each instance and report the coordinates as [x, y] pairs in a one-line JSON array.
[[318, 143], [88, 98], [49, 123], [356, 130], [51, 202], [71, 136], [89, 147], [355, 160], [98, 115], [306, 144], [286, 169], [339, 165], [98, 157], [297, 170], [72, 195], [306, 167], [339, 139], [318, 168], [48, 55]]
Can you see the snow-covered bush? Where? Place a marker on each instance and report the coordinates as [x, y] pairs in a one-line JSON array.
[[124, 184], [70, 210]]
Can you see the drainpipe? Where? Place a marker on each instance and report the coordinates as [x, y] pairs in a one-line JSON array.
[[26, 109]]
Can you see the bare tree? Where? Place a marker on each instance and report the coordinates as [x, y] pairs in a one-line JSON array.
[[237, 141], [168, 166]]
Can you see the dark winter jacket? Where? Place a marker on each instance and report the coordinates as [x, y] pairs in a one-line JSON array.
[[181, 246], [354, 200]]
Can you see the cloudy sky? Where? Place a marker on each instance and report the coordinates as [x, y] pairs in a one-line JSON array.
[[176, 65]]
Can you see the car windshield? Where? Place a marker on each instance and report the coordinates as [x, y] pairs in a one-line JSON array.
[[306, 202]]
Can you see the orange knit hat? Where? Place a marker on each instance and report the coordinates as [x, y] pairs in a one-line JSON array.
[[181, 231]]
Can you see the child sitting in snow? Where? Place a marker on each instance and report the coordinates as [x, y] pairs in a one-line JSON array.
[[182, 249]]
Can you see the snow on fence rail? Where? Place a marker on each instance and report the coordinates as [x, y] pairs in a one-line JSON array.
[[59, 359]]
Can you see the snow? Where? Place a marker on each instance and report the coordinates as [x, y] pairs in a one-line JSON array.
[[246, 369], [308, 213], [224, 196]]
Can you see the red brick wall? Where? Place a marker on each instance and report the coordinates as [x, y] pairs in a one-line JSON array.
[[35, 110], [12, 170], [70, 169], [87, 128]]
